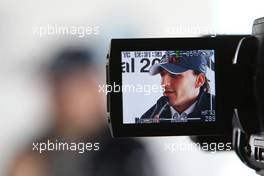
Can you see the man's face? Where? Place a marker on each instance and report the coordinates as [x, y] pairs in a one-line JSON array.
[[77, 103], [180, 89]]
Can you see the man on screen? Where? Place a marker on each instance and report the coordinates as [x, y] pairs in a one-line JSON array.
[[187, 95]]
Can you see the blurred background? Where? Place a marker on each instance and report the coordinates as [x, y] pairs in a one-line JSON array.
[[29, 43]]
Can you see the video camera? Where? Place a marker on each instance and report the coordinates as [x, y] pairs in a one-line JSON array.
[[206, 87]]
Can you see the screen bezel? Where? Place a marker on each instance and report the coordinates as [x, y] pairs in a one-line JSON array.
[[223, 62]]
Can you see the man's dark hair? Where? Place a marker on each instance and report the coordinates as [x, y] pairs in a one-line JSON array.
[[68, 61]]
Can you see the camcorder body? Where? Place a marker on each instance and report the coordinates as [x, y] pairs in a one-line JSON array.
[[248, 136], [210, 88]]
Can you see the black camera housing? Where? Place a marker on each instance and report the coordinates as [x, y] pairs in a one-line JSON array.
[[226, 82], [248, 120]]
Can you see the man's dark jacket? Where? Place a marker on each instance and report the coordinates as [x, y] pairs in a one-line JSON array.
[[200, 110]]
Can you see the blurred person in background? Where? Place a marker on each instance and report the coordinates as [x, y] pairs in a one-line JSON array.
[[79, 116]]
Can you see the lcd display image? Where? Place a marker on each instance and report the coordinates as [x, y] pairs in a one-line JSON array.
[[168, 86]]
